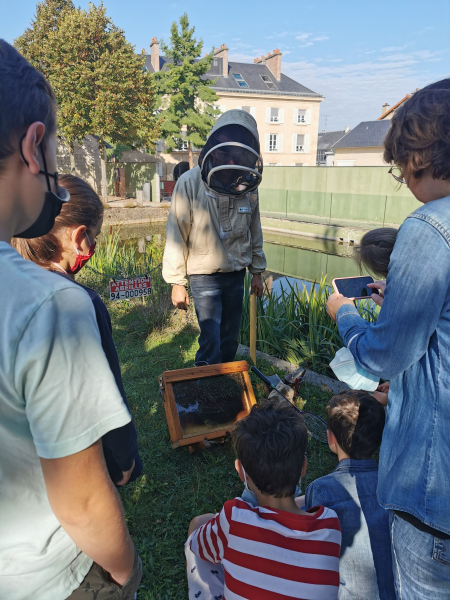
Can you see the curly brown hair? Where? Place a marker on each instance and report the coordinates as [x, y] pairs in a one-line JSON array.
[[83, 208], [357, 421], [419, 136]]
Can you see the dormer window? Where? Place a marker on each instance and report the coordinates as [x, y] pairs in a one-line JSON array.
[[270, 84], [240, 80]]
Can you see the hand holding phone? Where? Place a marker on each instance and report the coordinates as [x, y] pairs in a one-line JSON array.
[[354, 288]]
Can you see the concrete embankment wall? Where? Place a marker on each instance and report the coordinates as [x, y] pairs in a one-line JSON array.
[[332, 202]]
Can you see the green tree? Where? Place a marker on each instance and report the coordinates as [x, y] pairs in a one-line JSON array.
[[100, 83], [186, 99]]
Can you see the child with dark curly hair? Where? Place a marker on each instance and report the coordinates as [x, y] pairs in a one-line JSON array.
[[269, 548]]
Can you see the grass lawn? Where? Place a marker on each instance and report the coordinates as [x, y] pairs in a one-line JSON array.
[[177, 486]]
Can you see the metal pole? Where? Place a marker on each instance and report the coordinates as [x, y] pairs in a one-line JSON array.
[[253, 328]]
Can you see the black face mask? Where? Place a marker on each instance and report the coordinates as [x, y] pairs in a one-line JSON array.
[[52, 203]]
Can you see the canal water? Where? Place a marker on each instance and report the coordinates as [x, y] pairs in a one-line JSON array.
[[289, 258]]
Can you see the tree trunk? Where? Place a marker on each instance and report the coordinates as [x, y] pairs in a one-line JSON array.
[[73, 169], [191, 160], [103, 165]]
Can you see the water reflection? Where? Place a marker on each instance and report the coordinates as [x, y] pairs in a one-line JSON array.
[[289, 258]]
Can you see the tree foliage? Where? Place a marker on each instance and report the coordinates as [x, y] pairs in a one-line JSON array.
[[187, 100], [100, 83]]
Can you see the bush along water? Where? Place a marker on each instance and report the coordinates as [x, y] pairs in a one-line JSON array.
[[115, 259], [294, 325]]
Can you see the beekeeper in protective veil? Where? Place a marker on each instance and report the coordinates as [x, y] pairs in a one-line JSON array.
[[213, 234]]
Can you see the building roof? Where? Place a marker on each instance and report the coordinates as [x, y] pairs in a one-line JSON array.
[[328, 139], [251, 73], [388, 112], [367, 133]]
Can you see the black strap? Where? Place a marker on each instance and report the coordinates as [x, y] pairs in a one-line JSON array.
[[417, 523]]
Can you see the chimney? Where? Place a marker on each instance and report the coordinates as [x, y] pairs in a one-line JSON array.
[[385, 108], [273, 61], [222, 52], [154, 53], [347, 129]]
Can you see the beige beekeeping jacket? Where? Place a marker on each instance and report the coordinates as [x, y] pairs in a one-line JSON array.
[[209, 233]]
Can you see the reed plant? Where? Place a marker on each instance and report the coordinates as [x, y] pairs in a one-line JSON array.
[[115, 259], [294, 325]]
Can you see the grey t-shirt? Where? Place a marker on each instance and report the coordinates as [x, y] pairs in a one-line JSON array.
[[57, 397]]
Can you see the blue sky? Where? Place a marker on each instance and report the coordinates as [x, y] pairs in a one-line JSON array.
[[359, 54]]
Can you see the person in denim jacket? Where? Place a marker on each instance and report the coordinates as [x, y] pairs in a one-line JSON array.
[[355, 425], [409, 345]]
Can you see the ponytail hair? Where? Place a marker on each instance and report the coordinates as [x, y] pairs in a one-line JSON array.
[[374, 250], [84, 208]]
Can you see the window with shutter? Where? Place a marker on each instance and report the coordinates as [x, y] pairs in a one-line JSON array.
[[299, 143], [281, 115], [280, 142], [267, 115], [301, 117], [306, 137], [274, 115], [253, 111], [273, 142], [267, 144], [308, 116]]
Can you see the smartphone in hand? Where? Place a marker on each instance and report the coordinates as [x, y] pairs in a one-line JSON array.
[[354, 288]]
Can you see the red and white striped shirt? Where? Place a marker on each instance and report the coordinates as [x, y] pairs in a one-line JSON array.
[[269, 554]]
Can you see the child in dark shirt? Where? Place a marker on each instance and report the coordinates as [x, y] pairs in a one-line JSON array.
[[355, 426], [65, 250]]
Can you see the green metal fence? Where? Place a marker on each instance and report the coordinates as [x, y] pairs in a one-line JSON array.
[[364, 197]]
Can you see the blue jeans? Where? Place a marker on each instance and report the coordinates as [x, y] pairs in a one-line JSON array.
[[218, 306], [421, 562]]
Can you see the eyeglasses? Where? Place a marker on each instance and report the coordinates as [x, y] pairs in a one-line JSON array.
[[397, 174]]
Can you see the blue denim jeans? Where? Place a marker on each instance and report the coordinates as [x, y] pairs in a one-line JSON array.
[[421, 562], [218, 306]]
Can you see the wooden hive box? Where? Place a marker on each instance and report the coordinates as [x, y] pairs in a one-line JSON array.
[[205, 402]]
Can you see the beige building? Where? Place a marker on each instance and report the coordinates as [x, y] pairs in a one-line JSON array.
[[362, 146], [287, 113]]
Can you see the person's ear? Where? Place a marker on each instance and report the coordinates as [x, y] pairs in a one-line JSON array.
[[239, 469], [305, 466], [332, 441], [30, 143], [77, 236]]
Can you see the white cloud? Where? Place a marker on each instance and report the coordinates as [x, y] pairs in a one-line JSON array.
[[335, 60], [303, 36], [309, 40], [394, 48], [355, 92]]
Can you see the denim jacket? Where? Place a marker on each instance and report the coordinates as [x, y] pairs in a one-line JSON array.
[[365, 565], [410, 345]]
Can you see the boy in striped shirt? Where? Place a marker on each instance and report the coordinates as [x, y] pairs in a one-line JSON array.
[[270, 548]]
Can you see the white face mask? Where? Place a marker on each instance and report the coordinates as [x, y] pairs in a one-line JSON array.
[[350, 372], [250, 497]]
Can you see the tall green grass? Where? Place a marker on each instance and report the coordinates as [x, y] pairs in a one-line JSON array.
[[294, 324], [115, 259]]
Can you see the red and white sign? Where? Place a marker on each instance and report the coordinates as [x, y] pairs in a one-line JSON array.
[[134, 287]]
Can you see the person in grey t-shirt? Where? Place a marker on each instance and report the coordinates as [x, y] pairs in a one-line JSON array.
[[62, 527]]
